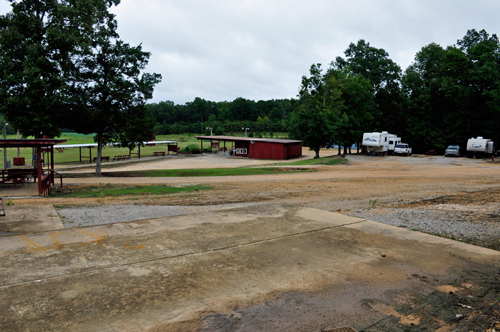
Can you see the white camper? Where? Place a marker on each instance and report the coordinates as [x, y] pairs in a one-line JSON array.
[[480, 147], [393, 140], [380, 143]]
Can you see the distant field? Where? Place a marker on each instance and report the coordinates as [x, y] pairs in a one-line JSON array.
[[72, 155]]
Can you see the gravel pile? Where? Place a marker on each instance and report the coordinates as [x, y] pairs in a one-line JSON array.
[[108, 214], [451, 224]]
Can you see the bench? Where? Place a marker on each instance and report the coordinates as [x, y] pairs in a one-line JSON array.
[[18, 176], [431, 152], [122, 157], [102, 158], [158, 153]]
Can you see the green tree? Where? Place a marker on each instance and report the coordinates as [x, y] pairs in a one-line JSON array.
[[36, 43], [422, 82], [454, 93], [483, 53], [111, 89], [319, 111], [358, 106], [384, 74]]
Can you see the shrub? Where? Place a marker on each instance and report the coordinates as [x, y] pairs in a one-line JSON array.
[[191, 148]]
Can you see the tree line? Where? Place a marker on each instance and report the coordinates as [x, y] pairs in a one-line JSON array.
[[445, 96], [223, 117]]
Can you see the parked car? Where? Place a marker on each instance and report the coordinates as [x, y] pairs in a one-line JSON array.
[[402, 149], [453, 150]]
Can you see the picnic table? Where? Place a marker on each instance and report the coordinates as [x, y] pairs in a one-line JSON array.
[[102, 158], [122, 157], [18, 176], [159, 153]]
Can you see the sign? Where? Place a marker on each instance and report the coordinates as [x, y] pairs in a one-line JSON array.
[[242, 151]]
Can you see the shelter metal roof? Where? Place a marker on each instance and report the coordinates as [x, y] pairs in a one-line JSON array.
[[249, 139], [92, 145], [29, 143]]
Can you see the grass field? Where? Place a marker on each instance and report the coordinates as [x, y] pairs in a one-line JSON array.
[[218, 171], [121, 190], [72, 155], [333, 160]]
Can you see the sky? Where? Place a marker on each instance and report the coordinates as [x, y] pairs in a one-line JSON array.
[[259, 49]]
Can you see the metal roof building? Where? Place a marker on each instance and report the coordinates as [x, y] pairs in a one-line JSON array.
[[45, 178], [258, 148]]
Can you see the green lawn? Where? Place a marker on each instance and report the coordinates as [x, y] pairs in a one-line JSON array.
[[325, 161], [121, 190], [217, 172]]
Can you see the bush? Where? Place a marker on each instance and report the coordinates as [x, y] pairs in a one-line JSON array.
[[191, 148]]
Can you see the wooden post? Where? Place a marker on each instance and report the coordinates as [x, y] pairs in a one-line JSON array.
[[80, 153], [39, 169], [52, 163], [201, 150], [90, 155]]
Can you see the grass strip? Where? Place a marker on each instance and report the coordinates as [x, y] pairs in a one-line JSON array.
[[324, 161], [193, 172], [120, 190]]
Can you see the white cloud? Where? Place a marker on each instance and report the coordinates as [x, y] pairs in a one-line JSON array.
[[257, 49]]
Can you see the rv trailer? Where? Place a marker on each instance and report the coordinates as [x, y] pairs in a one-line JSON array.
[[480, 147], [379, 144]]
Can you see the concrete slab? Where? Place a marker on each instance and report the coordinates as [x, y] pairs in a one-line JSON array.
[[272, 267], [28, 219], [27, 189]]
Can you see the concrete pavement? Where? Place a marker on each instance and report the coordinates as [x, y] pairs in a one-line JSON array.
[[269, 268]]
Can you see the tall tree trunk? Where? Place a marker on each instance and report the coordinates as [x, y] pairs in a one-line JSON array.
[[345, 148], [99, 154], [317, 153]]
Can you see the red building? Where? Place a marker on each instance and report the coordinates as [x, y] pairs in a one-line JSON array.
[[256, 148]]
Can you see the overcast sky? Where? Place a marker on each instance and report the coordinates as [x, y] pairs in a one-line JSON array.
[[259, 49]]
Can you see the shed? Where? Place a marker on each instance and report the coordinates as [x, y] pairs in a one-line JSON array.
[[44, 177], [258, 148]]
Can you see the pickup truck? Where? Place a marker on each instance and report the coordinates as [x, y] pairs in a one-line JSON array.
[[452, 150], [402, 149]]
